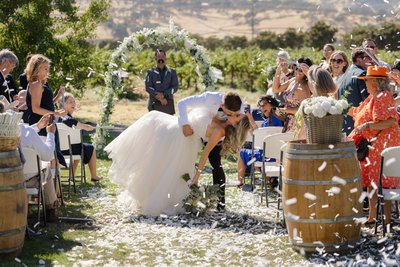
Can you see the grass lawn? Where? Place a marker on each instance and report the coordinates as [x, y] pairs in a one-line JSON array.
[[247, 234]]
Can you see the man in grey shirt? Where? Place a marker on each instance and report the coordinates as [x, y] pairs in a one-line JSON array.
[[161, 83]]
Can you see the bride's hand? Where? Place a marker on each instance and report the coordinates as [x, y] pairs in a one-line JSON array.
[[196, 178], [187, 130]]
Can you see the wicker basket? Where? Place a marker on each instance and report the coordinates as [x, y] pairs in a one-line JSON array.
[[326, 130], [9, 143]]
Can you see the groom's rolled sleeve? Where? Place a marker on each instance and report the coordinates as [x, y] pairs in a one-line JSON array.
[[209, 100]]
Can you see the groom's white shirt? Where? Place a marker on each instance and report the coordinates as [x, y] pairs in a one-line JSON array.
[[208, 100]]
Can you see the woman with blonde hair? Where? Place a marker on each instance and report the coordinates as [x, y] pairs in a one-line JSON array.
[[320, 83], [39, 97]]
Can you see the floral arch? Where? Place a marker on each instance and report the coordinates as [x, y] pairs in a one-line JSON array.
[[172, 36]]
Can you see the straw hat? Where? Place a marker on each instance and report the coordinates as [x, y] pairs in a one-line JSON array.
[[375, 72]]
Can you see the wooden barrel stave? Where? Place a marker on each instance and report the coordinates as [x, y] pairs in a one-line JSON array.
[[13, 204], [328, 220]]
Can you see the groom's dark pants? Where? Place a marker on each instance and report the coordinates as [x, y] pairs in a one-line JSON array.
[[218, 173]]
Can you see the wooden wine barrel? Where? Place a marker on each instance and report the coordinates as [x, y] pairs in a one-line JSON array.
[[321, 191], [13, 204]]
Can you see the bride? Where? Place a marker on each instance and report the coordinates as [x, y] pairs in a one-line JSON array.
[[149, 158]]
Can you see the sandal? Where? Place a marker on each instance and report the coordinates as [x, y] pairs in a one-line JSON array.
[[96, 180]]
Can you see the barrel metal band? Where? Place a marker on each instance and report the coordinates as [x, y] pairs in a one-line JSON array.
[[323, 244], [10, 250], [327, 182], [14, 187], [333, 220], [320, 151], [11, 169], [9, 154], [331, 156], [11, 232]]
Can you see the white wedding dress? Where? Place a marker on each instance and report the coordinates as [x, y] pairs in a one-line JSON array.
[[150, 157]]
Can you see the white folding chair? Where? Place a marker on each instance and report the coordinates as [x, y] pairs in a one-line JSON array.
[[258, 136], [33, 168], [273, 147], [390, 167], [65, 144], [76, 137]]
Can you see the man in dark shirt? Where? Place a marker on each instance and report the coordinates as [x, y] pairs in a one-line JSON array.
[[8, 61], [353, 89], [161, 83]]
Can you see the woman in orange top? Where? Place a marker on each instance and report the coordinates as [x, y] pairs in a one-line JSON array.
[[376, 119]]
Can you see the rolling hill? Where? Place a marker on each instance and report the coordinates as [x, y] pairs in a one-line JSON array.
[[242, 17]]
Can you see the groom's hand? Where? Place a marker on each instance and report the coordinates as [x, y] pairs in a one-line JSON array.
[[187, 130]]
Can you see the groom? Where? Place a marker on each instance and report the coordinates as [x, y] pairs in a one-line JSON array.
[[226, 107]]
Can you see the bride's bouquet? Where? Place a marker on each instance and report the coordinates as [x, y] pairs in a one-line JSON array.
[[201, 198]]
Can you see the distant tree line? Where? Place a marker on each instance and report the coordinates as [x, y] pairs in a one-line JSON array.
[[386, 36]]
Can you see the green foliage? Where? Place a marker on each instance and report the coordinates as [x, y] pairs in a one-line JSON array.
[[266, 40], [55, 29], [251, 69], [291, 38], [387, 37], [200, 199], [319, 34]]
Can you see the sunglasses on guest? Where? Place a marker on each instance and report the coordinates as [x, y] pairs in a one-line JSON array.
[[338, 61], [298, 69], [371, 46]]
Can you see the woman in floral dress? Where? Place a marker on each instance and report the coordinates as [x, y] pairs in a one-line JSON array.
[[376, 120], [294, 91]]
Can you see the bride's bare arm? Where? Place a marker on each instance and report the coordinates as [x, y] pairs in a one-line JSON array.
[[216, 136]]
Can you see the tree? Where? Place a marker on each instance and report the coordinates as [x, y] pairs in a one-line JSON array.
[[266, 39], [53, 28], [389, 37], [291, 38], [358, 34], [236, 42], [212, 43], [320, 34]]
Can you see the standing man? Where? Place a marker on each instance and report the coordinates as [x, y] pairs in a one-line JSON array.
[[370, 44], [161, 83], [8, 61], [354, 90]]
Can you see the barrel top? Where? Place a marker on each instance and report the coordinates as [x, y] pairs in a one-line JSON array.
[[302, 145]]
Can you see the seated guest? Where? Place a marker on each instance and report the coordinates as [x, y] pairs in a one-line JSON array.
[[22, 105], [283, 74], [8, 61], [327, 51], [45, 150], [294, 92], [89, 155], [267, 105], [320, 83]]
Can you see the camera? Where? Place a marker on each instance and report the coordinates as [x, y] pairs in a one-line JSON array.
[[51, 119], [247, 108]]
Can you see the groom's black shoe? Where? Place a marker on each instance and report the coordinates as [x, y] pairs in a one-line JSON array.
[[221, 207]]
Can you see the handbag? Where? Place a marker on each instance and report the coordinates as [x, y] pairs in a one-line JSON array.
[[362, 149], [362, 146]]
